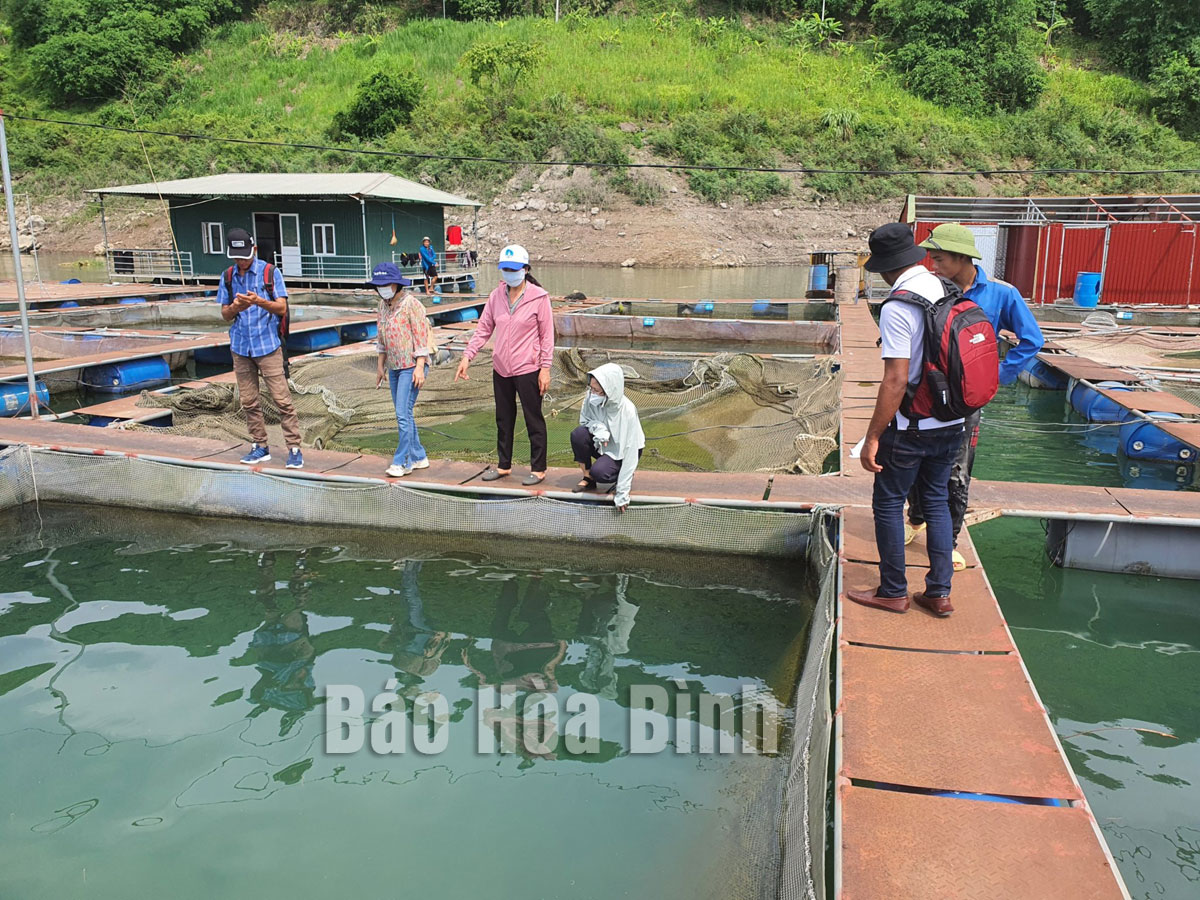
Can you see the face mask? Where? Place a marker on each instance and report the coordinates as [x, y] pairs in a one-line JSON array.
[[387, 292], [512, 279], [597, 400]]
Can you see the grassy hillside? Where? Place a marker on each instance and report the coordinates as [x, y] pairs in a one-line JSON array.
[[699, 90]]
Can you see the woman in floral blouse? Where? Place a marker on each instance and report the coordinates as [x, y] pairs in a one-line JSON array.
[[403, 342]]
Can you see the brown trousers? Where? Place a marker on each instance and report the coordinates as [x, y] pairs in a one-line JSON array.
[[270, 367]]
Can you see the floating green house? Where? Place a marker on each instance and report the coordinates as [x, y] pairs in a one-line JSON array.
[[320, 229]]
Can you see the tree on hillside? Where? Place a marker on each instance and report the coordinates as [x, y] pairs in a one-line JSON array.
[[381, 104], [976, 54], [1158, 40], [91, 49], [1142, 35]]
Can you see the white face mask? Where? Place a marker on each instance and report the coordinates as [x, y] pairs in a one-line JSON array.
[[387, 291], [597, 400], [512, 279]]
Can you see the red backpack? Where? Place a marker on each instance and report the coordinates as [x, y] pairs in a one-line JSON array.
[[285, 327], [961, 364]]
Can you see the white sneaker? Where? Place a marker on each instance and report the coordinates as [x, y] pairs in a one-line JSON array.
[[420, 464], [397, 471]]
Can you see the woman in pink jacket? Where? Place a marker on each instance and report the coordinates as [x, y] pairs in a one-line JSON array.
[[518, 312]]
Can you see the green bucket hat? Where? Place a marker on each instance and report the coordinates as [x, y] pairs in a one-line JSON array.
[[953, 238]]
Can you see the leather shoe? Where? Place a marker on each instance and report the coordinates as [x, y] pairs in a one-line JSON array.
[[870, 598], [939, 606]]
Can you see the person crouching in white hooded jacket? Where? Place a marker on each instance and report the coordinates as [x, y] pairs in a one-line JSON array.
[[609, 440]]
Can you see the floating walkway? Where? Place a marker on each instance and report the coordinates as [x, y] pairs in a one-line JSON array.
[[41, 294], [927, 708]]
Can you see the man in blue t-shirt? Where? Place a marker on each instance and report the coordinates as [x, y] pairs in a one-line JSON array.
[[257, 345], [952, 248]]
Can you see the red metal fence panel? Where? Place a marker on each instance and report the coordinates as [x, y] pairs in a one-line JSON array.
[[1065, 252], [1152, 262]]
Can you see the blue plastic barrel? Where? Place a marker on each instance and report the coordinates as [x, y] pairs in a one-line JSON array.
[[648, 322], [314, 341], [704, 307], [363, 331], [1087, 289], [760, 307], [126, 301], [214, 356], [818, 278], [134, 375], [1094, 406], [1144, 440], [470, 314], [70, 304], [14, 397], [1038, 375], [71, 281], [466, 286]]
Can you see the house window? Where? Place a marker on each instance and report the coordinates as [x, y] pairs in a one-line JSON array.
[[323, 243], [213, 238]]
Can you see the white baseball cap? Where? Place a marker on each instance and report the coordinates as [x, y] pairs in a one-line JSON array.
[[514, 256]]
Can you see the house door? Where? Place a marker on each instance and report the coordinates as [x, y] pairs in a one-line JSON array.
[[289, 244], [266, 236]]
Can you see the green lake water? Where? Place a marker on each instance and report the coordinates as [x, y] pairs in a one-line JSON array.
[[1111, 654], [161, 684], [1032, 435], [1108, 653]]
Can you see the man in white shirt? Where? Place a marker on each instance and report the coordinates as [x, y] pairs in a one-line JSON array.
[[904, 452]]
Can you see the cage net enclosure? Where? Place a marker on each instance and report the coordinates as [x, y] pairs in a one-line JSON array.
[[729, 412], [775, 848]]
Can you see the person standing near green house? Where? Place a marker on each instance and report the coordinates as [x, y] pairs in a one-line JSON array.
[[257, 345], [429, 265]]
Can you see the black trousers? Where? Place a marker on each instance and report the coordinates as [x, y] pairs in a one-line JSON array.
[[506, 390]]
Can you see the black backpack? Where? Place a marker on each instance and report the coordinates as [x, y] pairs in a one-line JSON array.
[[960, 369]]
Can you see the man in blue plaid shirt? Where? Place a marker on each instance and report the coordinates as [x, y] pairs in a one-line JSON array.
[[257, 346]]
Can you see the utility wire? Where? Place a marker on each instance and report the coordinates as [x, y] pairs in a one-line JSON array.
[[690, 167]]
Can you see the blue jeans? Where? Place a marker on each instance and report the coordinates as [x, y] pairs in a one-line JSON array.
[[922, 459], [404, 397]]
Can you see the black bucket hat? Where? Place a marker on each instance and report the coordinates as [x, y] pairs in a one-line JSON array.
[[892, 247]]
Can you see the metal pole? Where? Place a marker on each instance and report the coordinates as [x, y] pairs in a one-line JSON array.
[[108, 266], [16, 250], [37, 266], [366, 250]]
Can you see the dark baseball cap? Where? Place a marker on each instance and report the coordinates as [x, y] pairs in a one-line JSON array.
[[388, 273], [239, 244]]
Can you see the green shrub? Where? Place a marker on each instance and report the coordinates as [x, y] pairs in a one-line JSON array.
[[90, 49], [639, 189], [482, 10], [1176, 86], [974, 54], [381, 104]]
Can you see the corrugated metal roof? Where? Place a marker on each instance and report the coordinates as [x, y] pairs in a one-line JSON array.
[[378, 185], [1068, 210]]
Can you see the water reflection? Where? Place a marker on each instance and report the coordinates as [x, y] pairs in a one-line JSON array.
[[1116, 660], [196, 710]]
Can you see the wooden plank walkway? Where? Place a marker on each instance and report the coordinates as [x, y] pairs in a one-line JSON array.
[[162, 348], [52, 292], [927, 706]]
